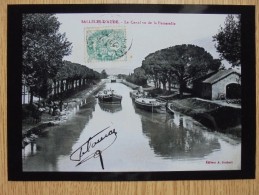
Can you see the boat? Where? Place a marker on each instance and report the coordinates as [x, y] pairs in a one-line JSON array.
[[168, 97], [109, 96], [113, 80], [111, 108], [149, 104], [161, 101], [138, 93]]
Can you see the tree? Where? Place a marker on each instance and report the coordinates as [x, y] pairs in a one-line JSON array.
[[43, 50], [122, 76], [228, 40], [149, 64], [138, 77], [180, 63], [104, 75], [72, 72]]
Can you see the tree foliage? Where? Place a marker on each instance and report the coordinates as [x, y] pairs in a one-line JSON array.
[[43, 50], [228, 40], [180, 63], [138, 77], [104, 75], [74, 71]]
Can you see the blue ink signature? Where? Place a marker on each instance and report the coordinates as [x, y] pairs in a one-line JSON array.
[[94, 146]]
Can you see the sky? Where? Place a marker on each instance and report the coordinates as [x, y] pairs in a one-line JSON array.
[[145, 34]]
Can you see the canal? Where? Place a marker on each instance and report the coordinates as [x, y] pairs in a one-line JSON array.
[[135, 140]]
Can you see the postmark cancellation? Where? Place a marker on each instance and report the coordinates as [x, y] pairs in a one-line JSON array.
[[105, 44]]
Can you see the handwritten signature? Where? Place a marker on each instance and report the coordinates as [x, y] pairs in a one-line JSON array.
[[94, 146]]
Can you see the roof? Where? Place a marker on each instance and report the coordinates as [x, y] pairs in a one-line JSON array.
[[202, 78], [221, 74]]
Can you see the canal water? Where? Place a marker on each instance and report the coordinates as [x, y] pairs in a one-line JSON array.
[[101, 137]]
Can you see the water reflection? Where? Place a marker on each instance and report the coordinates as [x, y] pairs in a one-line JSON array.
[[159, 139], [112, 108], [177, 136], [57, 141], [29, 150]]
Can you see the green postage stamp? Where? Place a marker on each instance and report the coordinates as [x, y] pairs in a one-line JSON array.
[[105, 44]]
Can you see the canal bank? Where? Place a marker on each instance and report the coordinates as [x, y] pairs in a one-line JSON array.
[[31, 130], [134, 86], [168, 142], [215, 115]]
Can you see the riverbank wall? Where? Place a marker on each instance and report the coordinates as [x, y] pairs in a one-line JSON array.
[[134, 86], [217, 117], [30, 130], [131, 85]]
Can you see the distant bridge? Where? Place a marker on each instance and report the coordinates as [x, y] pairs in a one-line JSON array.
[[110, 80], [131, 85]]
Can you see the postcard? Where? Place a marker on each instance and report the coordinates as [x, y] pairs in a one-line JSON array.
[[131, 92]]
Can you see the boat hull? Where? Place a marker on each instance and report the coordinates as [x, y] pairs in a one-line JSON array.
[[110, 99], [112, 108], [148, 107]]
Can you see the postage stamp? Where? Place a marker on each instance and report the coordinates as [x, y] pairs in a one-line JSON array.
[[105, 44]]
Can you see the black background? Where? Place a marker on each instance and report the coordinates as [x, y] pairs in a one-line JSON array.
[[14, 87]]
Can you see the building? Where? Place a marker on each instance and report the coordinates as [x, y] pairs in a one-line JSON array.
[[219, 85]]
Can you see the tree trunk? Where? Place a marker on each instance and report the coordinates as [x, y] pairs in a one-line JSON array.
[[57, 87], [182, 87], [31, 97], [164, 85], [62, 86], [181, 92], [67, 85], [155, 83], [169, 85], [72, 84]]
